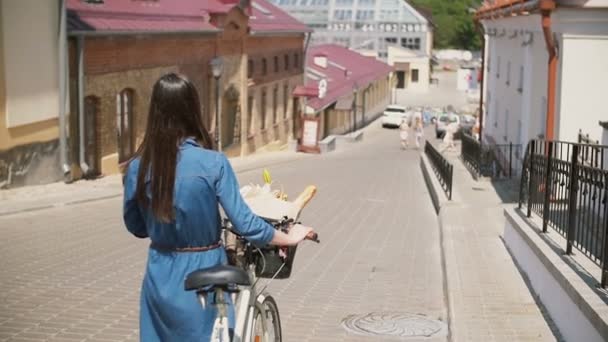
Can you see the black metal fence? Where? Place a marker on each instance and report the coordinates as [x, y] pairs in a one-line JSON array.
[[566, 184], [443, 169], [495, 161]]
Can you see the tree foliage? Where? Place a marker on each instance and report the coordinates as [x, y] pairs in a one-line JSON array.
[[454, 22]]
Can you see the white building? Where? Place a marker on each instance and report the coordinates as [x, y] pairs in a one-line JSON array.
[[364, 25], [525, 98]]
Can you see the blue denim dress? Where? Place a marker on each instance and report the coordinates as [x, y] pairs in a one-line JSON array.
[[203, 180]]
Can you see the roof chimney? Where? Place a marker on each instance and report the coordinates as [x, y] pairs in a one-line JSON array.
[[320, 60]]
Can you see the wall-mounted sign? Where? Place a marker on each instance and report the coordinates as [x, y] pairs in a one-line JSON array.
[[322, 88], [310, 135]]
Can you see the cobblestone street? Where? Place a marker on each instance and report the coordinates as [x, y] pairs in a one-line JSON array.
[[72, 273]]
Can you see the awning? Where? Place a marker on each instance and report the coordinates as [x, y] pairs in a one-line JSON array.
[[401, 66], [302, 91], [345, 102]]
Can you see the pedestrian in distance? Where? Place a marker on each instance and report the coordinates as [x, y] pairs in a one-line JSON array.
[[448, 139], [172, 188], [404, 134], [419, 132]]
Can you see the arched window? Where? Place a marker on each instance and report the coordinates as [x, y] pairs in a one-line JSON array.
[[250, 67], [92, 152], [264, 66], [124, 124]]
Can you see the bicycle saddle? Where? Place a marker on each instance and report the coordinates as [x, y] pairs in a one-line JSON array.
[[220, 275]]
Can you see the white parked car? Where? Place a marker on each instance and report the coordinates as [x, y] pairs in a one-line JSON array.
[[394, 115]]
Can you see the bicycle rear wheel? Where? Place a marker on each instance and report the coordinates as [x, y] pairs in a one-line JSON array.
[[272, 331]]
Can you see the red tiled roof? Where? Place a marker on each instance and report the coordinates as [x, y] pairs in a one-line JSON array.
[[139, 15], [267, 17], [345, 70], [172, 16]]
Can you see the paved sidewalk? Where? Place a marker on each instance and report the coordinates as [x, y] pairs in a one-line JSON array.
[[489, 299], [60, 194]]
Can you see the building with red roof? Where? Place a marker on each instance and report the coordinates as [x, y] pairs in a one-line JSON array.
[[109, 55], [344, 89]]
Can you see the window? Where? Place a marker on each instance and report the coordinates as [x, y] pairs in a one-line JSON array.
[[263, 110], [391, 40], [520, 86], [506, 136], [286, 62], [264, 66], [341, 14], [365, 15], [411, 43], [285, 100], [498, 68], [250, 129], [368, 3], [250, 68], [124, 124], [414, 75], [296, 60], [508, 73], [276, 63], [275, 95]]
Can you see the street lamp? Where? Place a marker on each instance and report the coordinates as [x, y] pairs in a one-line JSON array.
[[217, 66], [355, 90]]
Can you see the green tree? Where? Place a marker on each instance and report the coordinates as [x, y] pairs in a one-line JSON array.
[[454, 22]]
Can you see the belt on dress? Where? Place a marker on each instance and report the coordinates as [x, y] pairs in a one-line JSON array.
[[186, 249]]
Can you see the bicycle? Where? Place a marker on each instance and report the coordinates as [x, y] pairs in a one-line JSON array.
[[256, 312]]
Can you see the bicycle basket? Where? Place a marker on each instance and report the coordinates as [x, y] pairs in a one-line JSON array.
[[271, 262]]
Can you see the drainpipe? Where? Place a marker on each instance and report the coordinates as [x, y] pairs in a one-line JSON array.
[[546, 6], [483, 79], [81, 148], [304, 98], [63, 92]]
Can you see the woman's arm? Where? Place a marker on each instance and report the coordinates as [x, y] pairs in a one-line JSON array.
[[245, 222]]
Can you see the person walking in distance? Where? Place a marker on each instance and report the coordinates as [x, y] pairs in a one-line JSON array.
[[418, 131], [448, 139], [404, 134]]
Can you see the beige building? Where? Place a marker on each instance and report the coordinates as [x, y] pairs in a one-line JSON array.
[[345, 90], [29, 92]]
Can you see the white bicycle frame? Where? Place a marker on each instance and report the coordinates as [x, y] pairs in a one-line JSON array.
[[245, 305]]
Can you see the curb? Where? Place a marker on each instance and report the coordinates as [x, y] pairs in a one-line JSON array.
[[437, 194], [440, 200]]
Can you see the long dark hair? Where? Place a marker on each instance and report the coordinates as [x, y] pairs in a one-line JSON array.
[[175, 114]]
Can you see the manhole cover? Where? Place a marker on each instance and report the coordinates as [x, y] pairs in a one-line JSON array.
[[394, 324]]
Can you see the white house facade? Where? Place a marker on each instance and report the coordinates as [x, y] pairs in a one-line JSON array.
[[545, 69]]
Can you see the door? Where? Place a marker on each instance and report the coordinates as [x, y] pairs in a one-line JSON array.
[[400, 79], [230, 120]]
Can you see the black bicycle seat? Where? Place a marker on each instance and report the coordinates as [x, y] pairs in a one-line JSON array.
[[221, 275]]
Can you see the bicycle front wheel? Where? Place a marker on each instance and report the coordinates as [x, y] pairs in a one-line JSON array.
[[267, 323]]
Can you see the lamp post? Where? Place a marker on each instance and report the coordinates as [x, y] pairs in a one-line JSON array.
[[217, 66], [355, 90]]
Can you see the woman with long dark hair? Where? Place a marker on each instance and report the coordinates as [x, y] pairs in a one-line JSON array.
[[173, 187]]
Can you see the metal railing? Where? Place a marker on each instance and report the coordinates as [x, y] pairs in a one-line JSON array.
[[443, 169], [568, 189], [495, 161]]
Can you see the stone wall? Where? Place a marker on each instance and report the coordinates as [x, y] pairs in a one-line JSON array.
[[31, 164]]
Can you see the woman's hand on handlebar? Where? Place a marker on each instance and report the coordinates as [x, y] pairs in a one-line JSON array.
[[296, 234]]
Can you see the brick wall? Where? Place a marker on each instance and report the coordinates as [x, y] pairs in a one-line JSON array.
[[113, 64]]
